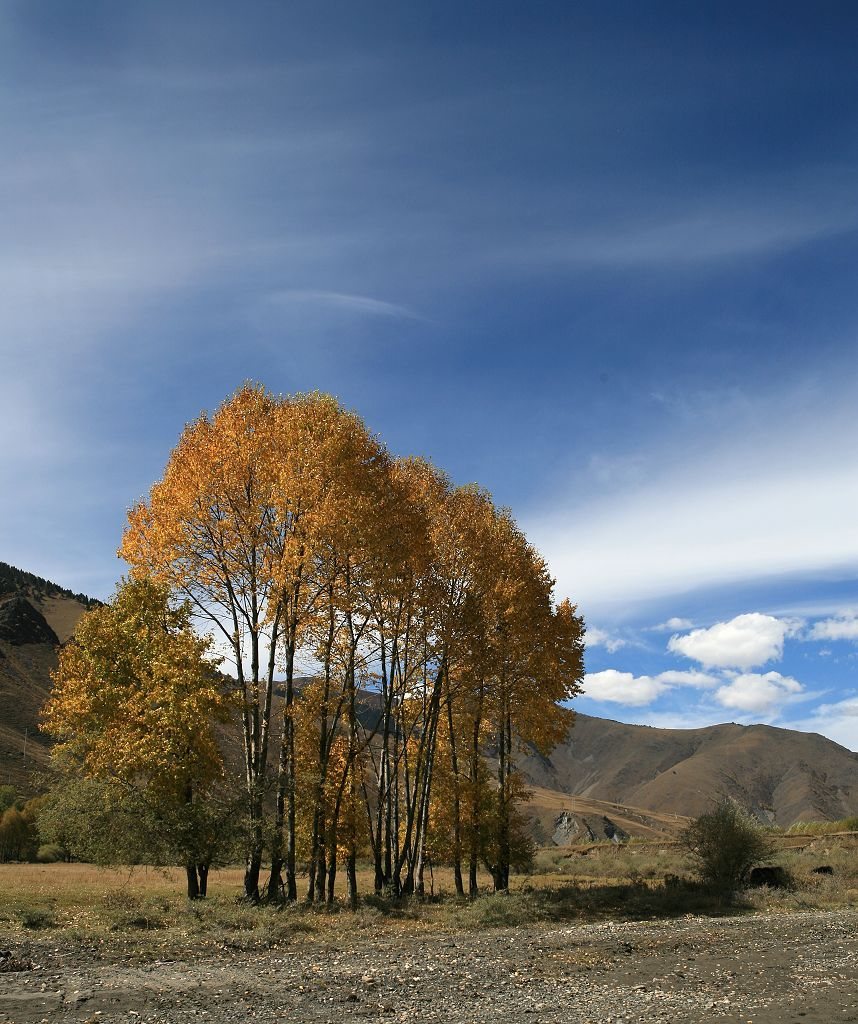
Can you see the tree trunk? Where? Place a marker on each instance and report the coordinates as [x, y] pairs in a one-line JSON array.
[[284, 822], [193, 882], [457, 813], [251, 873], [332, 878], [351, 875], [473, 887]]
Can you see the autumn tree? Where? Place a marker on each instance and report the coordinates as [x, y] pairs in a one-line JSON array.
[[264, 512], [134, 705], [332, 487], [212, 531], [427, 620], [534, 653]]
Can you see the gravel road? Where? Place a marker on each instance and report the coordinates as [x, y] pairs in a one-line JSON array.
[[799, 967]]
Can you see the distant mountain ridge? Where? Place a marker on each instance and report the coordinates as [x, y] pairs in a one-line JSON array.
[[780, 775], [19, 582]]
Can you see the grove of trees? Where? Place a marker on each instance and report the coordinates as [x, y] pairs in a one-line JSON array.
[[393, 641]]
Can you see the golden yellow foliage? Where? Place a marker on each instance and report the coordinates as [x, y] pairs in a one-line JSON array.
[[135, 697]]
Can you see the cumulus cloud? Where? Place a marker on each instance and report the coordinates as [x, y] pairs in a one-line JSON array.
[[596, 637], [842, 628], [744, 642], [758, 693], [672, 625], [637, 691], [623, 687]]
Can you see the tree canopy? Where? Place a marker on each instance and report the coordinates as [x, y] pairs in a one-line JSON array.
[[297, 539], [134, 707]]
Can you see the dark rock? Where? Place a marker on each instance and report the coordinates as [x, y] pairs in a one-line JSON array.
[[613, 831], [823, 869], [20, 623], [774, 877], [9, 963]]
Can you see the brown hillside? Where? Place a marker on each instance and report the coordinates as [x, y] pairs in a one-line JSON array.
[[25, 682], [49, 613], [638, 778], [781, 775]]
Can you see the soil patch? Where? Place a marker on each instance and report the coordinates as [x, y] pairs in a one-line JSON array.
[[799, 968]]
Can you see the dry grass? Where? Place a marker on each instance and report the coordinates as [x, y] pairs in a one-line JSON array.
[[143, 912]]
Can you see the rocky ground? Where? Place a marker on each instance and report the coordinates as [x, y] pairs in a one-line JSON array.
[[799, 967]]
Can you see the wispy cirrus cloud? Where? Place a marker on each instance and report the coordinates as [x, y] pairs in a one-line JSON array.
[[363, 305], [760, 494], [767, 218]]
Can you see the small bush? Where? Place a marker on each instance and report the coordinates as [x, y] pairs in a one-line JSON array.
[[37, 917], [50, 853], [725, 844]]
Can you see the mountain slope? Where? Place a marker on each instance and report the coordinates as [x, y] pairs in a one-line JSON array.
[[781, 775], [35, 617], [655, 774]]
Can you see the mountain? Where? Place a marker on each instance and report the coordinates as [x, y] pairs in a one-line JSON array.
[[780, 775], [603, 776], [35, 617]]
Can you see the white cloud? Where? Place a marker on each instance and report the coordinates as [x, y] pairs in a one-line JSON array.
[[729, 498], [757, 693], [672, 625], [622, 687], [695, 678], [845, 708], [596, 637], [843, 628], [744, 642], [838, 721], [637, 691]]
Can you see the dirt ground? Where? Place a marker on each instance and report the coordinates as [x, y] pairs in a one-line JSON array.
[[757, 969]]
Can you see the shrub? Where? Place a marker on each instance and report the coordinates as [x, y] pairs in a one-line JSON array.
[[50, 853], [725, 844], [37, 917]]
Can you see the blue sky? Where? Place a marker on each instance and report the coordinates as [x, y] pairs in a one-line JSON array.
[[598, 257]]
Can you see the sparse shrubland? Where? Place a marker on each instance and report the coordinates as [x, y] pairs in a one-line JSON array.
[[140, 910]]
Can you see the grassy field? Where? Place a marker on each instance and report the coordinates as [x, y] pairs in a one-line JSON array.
[[142, 911]]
